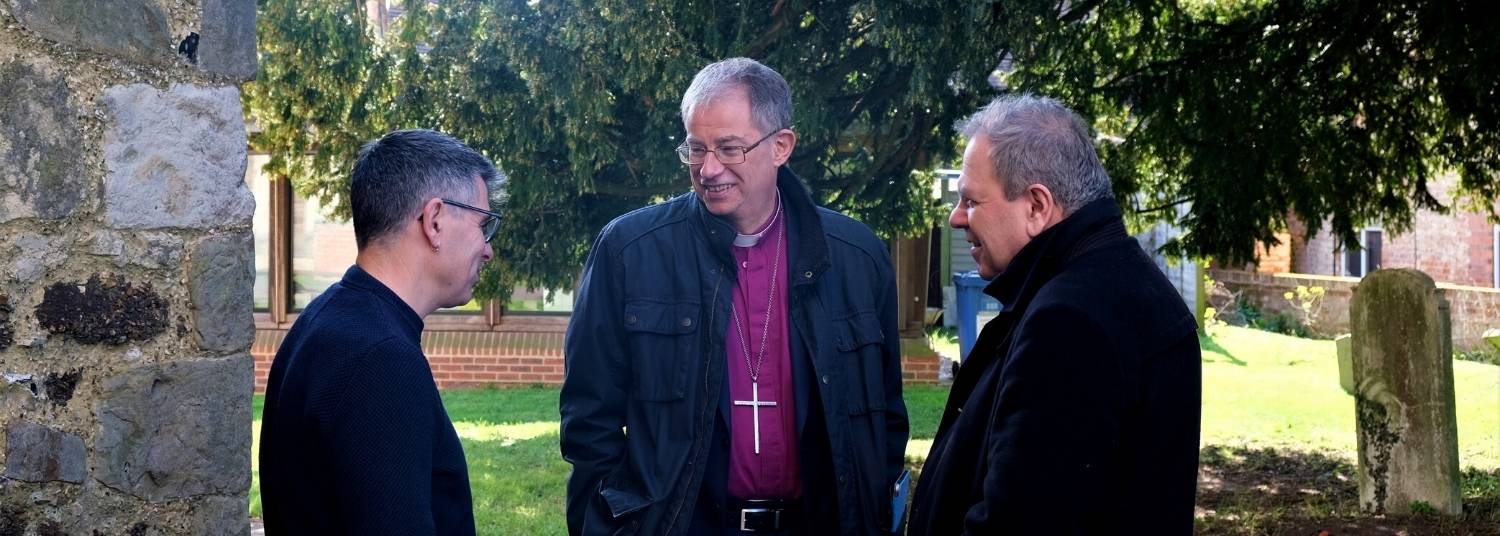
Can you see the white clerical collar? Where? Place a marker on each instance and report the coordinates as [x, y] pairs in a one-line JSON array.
[[750, 240]]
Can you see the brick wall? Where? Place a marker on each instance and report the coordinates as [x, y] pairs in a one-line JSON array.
[[1275, 259], [465, 359], [919, 363], [1451, 248], [462, 359], [1471, 309]]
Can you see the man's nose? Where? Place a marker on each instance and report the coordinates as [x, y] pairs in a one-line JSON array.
[[957, 218], [711, 167]]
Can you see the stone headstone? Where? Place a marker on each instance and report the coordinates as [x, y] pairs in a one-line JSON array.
[[1405, 410], [1344, 346], [1492, 336]]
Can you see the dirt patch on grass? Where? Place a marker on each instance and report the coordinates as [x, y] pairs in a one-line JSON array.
[[1246, 491]]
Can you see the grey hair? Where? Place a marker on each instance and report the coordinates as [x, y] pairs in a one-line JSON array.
[[770, 97], [399, 172], [1037, 140]]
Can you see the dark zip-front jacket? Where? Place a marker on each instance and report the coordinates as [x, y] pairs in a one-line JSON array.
[[646, 369]]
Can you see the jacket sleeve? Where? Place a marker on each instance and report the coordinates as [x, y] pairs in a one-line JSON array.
[[898, 428], [383, 429], [1055, 421], [593, 398]]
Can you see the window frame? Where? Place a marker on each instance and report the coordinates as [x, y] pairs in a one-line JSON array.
[[1495, 256], [279, 314], [1364, 253]]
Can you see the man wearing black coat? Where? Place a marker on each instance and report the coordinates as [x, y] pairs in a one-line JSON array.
[[1077, 410], [732, 365]]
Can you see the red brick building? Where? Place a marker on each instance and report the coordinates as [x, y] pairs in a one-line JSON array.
[[1457, 250]]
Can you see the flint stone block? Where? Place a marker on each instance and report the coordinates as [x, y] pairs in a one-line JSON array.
[[33, 255], [175, 158], [108, 311], [135, 30], [222, 283], [36, 453], [176, 430], [41, 169], [227, 45]]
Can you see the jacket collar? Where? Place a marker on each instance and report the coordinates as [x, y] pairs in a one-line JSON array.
[[358, 279], [807, 246], [1091, 226]]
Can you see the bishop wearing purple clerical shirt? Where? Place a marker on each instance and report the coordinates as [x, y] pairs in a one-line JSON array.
[[732, 364]]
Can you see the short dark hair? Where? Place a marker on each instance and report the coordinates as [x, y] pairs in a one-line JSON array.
[[398, 172]]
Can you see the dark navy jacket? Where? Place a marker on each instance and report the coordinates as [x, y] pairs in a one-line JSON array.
[[1077, 410], [645, 352]]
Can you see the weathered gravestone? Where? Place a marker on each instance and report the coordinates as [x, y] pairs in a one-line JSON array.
[[1403, 375]]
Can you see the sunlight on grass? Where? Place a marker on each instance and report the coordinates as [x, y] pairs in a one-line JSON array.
[[916, 451], [507, 434], [1259, 390], [1266, 390]]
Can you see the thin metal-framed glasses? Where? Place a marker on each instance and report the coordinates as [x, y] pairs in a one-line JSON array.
[[489, 226], [728, 154]]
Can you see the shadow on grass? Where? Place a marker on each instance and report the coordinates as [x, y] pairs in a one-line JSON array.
[[1207, 344], [1243, 491], [517, 477]]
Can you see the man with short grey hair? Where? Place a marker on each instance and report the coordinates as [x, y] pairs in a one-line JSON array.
[[1076, 412], [732, 363], [355, 439]]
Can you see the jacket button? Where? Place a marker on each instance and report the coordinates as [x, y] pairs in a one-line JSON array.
[[630, 319], [825, 379], [687, 322], [807, 275]]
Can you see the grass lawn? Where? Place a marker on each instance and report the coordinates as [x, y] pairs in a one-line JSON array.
[[1267, 390], [1272, 408]]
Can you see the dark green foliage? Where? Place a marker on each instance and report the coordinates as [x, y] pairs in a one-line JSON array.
[[578, 101], [1479, 355], [1344, 110]]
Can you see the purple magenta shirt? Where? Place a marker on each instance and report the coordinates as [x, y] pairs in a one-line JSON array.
[[774, 473]]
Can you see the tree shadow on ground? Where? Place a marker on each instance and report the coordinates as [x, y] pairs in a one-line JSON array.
[[1207, 344], [1245, 491]]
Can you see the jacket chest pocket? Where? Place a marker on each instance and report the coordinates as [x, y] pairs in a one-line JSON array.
[[662, 345], [861, 345]]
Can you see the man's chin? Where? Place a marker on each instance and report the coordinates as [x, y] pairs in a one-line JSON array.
[[467, 297]]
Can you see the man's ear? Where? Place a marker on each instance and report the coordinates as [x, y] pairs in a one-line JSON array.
[[782, 144], [432, 229], [1042, 210]]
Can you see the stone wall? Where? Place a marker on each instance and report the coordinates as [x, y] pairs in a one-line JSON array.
[[1472, 309], [125, 267]]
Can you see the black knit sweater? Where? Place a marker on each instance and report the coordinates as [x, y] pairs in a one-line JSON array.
[[354, 438]]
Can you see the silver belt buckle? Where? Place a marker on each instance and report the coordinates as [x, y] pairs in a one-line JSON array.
[[743, 511]]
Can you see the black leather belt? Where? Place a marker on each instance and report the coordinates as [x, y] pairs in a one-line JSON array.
[[763, 515]]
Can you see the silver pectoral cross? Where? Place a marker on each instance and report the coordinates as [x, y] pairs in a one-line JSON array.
[[755, 404]]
